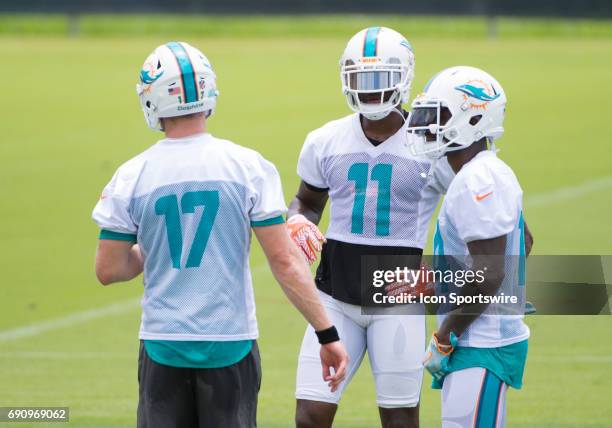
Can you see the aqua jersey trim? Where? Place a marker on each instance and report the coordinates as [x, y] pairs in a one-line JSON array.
[[117, 236], [187, 72], [198, 354], [370, 44], [268, 222], [439, 261], [438, 242]]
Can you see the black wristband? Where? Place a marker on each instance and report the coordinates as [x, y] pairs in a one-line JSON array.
[[328, 335]]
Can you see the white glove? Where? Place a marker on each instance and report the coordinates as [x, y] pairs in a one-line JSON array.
[[437, 356]]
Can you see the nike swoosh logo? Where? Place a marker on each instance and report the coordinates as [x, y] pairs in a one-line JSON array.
[[481, 197]]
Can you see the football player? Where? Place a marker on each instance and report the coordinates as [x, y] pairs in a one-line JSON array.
[[382, 198], [479, 349], [183, 211]]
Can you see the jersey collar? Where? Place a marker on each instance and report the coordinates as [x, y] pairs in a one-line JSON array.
[[366, 142], [195, 138]]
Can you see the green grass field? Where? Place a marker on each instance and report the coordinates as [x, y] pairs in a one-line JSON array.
[[70, 117]]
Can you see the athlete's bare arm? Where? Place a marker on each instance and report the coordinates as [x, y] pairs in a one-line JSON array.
[[309, 203], [117, 261], [293, 275], [487, 255], [528, 240]]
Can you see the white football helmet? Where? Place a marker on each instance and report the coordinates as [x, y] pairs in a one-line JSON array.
[[459, 106], [376, 70], [176, 80]]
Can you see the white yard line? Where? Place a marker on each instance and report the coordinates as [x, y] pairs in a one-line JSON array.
[[68, 320], [51, 355], [75, 318], [568, 193]]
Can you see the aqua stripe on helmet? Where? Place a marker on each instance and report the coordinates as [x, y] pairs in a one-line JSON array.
[[187, 71], [370, 42], [431, 81]]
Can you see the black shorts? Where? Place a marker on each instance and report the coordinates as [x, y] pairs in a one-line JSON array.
[[339, 272], [205, 398]]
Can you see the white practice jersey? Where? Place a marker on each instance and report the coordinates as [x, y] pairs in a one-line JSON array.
[[484, 201], [379, 195], [190, 204]]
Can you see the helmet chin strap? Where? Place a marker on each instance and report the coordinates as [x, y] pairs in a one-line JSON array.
[[376, 116], [387, 113], [399, 111]]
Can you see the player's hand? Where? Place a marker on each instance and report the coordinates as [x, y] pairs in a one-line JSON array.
[[306, 235], [334, 356], [437, 356]]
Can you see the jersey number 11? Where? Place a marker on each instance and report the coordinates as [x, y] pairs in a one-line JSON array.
[[381, 172]]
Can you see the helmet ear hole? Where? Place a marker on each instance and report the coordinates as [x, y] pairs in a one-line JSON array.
[[475, 119], [148, 104]]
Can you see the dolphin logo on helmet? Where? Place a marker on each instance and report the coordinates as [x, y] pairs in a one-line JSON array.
[[150, 74], [476, 92], [460, 105]]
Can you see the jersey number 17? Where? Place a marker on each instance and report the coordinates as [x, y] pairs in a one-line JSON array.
[[168, 207]]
